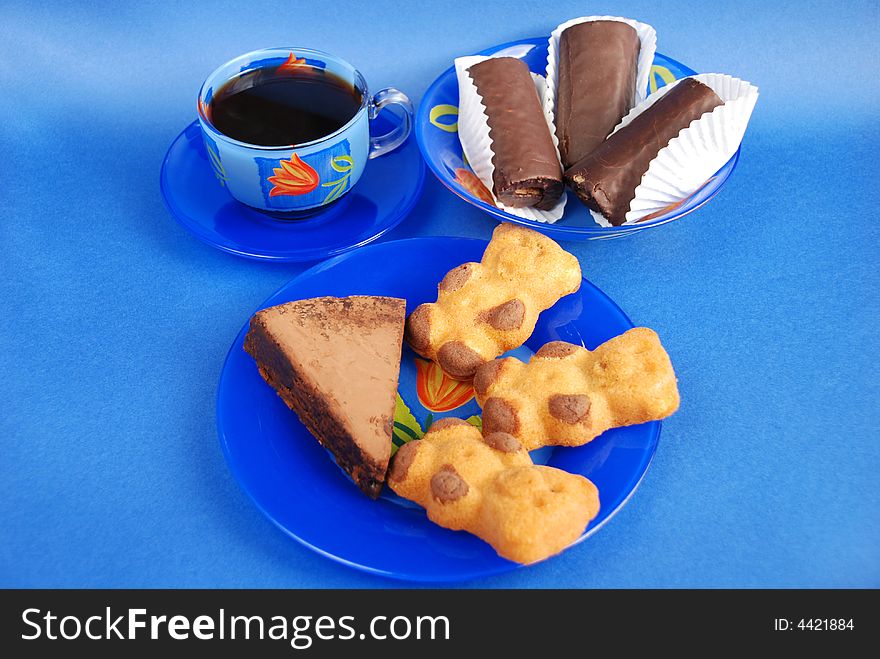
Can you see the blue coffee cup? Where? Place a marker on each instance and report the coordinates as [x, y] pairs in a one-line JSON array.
[[300, 178]]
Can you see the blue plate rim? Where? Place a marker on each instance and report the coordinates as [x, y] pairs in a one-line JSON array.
[[570, 232], [194, 228], [501, 568]]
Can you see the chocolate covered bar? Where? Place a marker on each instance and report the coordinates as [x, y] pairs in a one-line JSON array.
[[596, 84], [527, 171], [606, 179]]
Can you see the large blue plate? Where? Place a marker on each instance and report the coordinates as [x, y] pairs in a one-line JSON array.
[[386, 192], [295, 482], [436, 133]]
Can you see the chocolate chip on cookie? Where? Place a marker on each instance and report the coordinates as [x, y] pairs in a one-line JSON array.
[[458, 360], [569, 408], [556, 350], [507, 316], [447, 485], [499, 416], [402, 460], [457, 277], [417, 331], [502, 441]]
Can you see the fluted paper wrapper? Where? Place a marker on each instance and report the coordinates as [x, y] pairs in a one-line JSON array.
[[647, 48], [473, 132], [690, 159]]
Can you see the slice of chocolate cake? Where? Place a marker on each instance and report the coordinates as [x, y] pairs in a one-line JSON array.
[[335, 362]]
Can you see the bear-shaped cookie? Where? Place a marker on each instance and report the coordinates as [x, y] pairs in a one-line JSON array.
[[485, 309], [490, 487], [567, 395]]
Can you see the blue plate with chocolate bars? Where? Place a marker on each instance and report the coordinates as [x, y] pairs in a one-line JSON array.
[[437, 134], [298, 485]]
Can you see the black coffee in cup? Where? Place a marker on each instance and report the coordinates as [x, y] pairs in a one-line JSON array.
[[283, 105]]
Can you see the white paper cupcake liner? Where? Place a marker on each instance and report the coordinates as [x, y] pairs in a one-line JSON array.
[[690, 159], [648, 46], [473, 132]]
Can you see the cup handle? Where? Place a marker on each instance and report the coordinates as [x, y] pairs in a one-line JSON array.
[[394, 138]]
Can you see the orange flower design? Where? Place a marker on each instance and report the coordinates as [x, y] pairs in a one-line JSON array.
[[437, 391], [292, 63], [469, 181], [293, 177], [205, 109]]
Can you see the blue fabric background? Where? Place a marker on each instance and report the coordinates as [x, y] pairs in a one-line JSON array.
[[115, 321]]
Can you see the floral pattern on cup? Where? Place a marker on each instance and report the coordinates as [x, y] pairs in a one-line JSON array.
[[205, 108], [343, 165], [292, 63], [293, 177], [307, 179], [213, 154]]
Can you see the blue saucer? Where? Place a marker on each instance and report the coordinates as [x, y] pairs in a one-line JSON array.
[[436, 131], [296, 483], [387, 191]]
